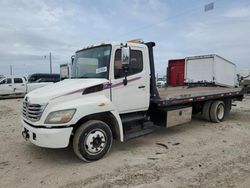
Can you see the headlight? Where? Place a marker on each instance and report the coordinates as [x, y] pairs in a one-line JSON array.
[[58, 117]]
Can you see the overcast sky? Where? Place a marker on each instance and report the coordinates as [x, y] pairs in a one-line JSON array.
[[30, 29]]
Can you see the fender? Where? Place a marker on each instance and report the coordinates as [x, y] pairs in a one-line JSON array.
[[119, 121], [86, 106]]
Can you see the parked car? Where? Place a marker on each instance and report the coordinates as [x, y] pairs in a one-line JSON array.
[[41, 77], [17, 86], [161, 82]]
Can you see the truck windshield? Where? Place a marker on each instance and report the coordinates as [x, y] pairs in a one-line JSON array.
[[92, 63]]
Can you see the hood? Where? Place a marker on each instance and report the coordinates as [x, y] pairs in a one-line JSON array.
[[69, 86]]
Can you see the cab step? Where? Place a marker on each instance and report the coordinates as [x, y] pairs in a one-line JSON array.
[[134, 133], [133, 118]]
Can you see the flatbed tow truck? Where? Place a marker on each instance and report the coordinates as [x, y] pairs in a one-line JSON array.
[[112, 94]]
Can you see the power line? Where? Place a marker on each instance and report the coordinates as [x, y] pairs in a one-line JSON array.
[[168, 18]]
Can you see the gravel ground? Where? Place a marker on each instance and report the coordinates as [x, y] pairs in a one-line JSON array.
[[196, 154]]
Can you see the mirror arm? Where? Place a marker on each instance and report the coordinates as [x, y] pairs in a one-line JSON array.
[[125, 80]]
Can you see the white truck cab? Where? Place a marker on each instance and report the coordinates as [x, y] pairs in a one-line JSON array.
[[111, 94]]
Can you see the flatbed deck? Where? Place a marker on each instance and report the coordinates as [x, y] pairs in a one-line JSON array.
[[176, 95]]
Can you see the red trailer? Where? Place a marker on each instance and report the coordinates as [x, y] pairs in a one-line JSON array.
[[175, 72]]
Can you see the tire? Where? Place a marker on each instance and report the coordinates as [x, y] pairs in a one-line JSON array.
[[228, 106], [92, 140], [217, 111], [206, 111]]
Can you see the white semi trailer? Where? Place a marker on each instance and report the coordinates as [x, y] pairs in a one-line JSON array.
[[210, 69]]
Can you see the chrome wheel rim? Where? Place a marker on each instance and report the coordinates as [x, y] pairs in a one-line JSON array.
[[220, 111], [95, 141]]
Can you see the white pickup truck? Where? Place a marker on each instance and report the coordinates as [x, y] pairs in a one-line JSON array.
[[113, 95], [17, 86]]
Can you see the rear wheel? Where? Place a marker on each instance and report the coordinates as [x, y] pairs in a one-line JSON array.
[[92, 140], [206, 110], [228, 106], [217, 111]]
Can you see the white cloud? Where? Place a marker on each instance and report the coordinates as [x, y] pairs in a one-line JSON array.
[[30, 29], [241, 12]]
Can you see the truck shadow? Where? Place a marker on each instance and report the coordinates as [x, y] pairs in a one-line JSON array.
[[48, 155]]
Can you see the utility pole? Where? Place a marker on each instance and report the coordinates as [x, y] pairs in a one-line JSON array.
[[50, 63], [11, 70]]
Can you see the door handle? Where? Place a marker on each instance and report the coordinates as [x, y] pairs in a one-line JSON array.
[[22, 85], [10, 85], [141, 87]]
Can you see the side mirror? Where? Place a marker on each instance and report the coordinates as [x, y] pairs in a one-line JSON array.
[[125, 62], [39, 80], [125, 55], [72, 59]]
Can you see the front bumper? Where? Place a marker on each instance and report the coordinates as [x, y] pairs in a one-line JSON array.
[[47, 137]]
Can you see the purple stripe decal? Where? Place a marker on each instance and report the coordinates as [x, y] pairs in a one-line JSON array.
[[121, 83], [106, 85], [73, 92]]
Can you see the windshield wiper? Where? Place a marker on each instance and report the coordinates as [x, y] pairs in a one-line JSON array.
[[79, 77], [83, 77]]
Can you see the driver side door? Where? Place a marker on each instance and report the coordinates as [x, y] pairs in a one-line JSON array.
[[135, 95]]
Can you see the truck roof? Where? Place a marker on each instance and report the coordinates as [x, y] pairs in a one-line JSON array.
[[111, 43]]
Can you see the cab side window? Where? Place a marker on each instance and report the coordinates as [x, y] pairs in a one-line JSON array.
[[135, 65], [8, 81], [18, 80]]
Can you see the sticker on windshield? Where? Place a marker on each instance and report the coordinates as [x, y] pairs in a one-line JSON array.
[[101, 69]]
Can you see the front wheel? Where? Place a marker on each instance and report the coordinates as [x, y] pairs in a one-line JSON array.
[[92, 140]]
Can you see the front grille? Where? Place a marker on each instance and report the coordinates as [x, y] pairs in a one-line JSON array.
[[32, 112]]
